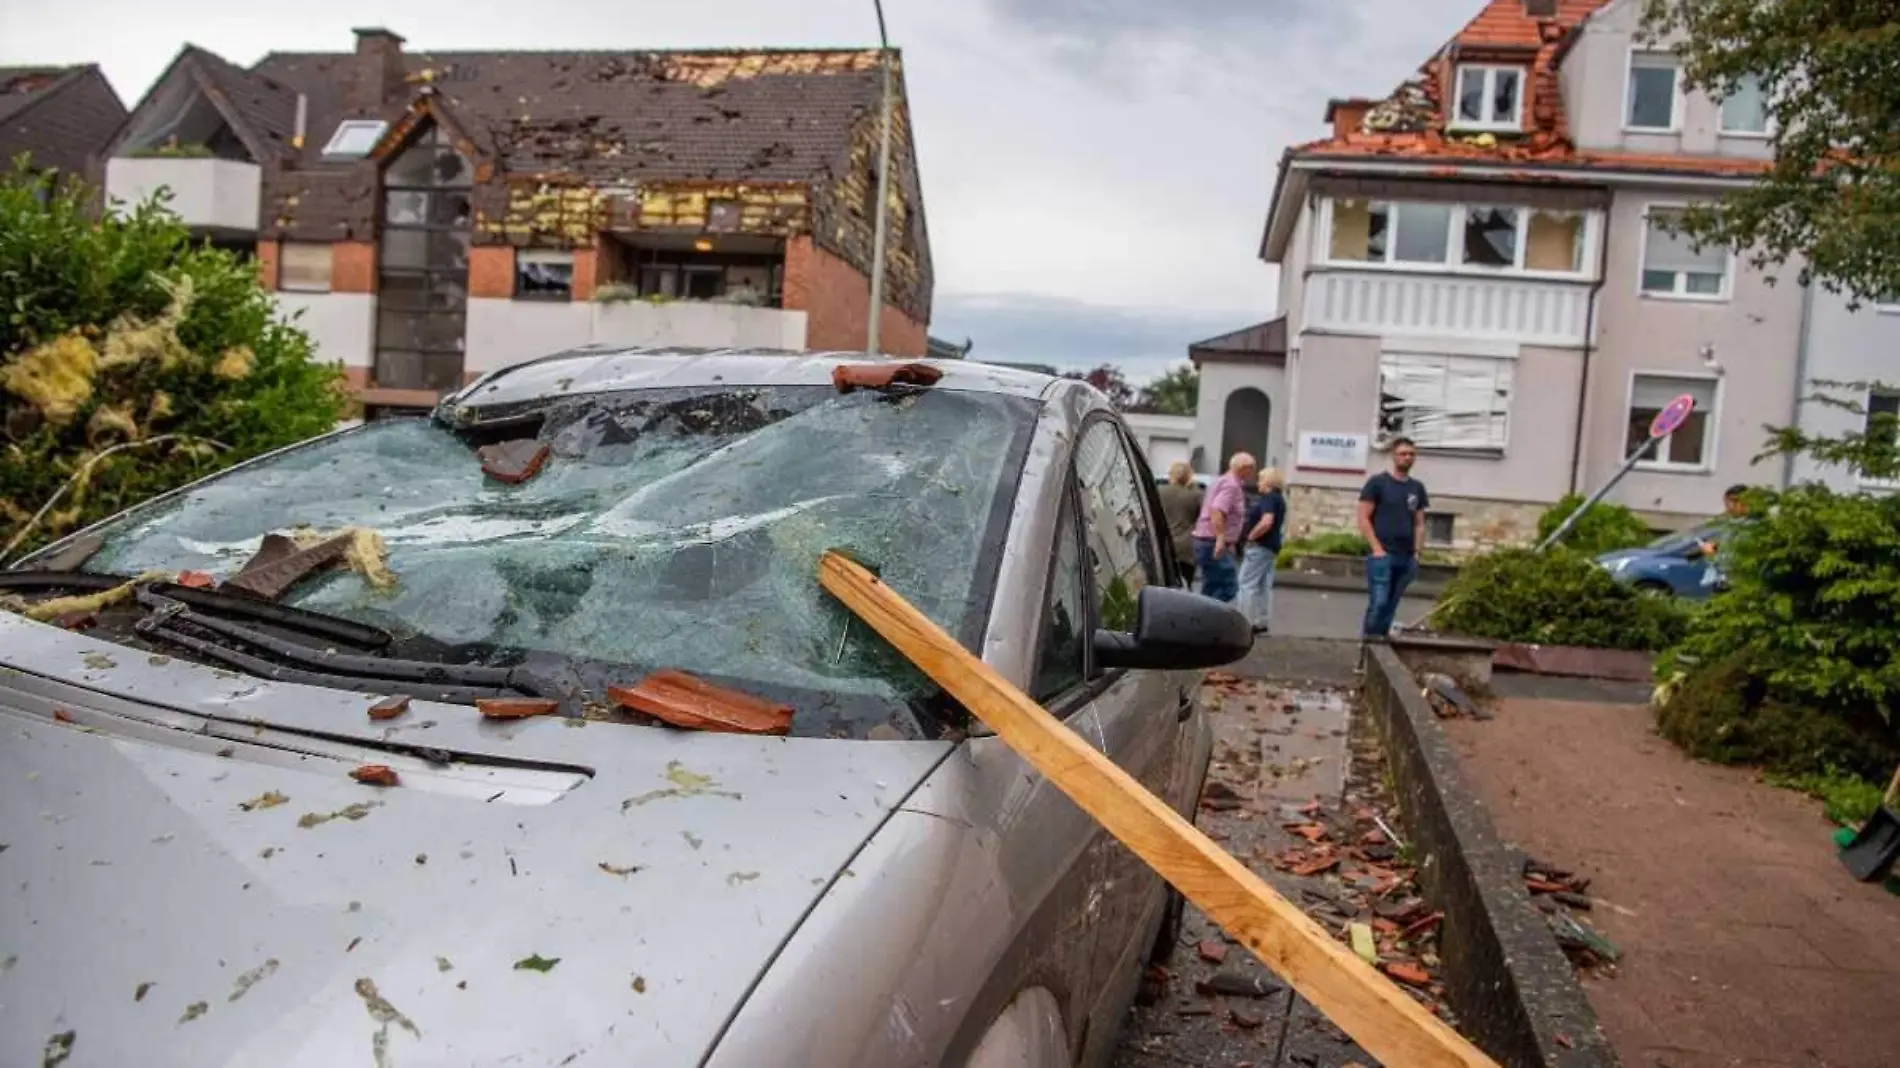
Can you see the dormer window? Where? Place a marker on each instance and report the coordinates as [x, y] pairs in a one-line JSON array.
[[1488, 98], [354, 138]]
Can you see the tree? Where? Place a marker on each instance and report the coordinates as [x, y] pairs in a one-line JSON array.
[[1177, 392], [1109, 379], [132, 361], [1830, 71], [1604, 528]]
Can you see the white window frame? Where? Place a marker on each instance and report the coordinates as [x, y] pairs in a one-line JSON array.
[[1723, 128], [1629, 96], [333, 147], [1711, 436], [1454, 262], [1421, 352], [1887, 308], [283, 261], [1679, 292], [1867, 481], [1489, 72]]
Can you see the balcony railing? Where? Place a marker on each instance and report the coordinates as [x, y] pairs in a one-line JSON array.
[[1393, 304], [208, 194]]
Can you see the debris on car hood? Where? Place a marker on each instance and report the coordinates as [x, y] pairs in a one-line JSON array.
[[283, 560], [687, 701], [850, 376], [88, 603], [514, 462]]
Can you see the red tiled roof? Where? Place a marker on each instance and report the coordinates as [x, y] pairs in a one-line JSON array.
[[1410, 123]]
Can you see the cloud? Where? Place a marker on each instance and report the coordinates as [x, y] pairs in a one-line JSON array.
[[1072, 335]]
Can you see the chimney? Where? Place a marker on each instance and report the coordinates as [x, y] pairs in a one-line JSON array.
[[378, 77], [1541, 9], [1347, 116]]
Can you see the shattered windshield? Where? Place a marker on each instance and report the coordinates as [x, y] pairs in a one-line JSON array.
[[676, 528]]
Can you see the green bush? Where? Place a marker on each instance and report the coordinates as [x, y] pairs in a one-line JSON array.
[[1845, 798], [1333, 543], [1555, 598], [1604, 528], [132, 361], [1806, 632]]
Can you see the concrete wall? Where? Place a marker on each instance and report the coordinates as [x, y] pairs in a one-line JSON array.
[[342, 326], [1857, 345], [219, 194], [1595, 79], [1752, 336], [506, 332], [1218, 380]]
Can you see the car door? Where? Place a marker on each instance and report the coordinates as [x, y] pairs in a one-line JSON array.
[[1138, 715]]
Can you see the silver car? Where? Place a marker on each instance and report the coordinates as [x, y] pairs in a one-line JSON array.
[[193, 878]]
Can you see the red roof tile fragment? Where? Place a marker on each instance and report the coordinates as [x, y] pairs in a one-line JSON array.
[[389, 708], [375, 775], [1408, 973], [197, 580], [694, 704], [515, 707], [850, 376], [514, 462]]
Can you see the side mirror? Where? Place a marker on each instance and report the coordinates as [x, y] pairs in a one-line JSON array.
[[1176, 630]]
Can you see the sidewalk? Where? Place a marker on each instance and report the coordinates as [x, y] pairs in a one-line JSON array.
[[1744, 941]]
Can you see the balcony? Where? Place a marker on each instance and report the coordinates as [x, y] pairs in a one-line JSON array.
[[506, 332], [218, 196], [1391, 304]]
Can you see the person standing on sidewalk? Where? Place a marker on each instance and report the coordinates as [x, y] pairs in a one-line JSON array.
[[1392, 520], [1181, 507], [1218, 528], [1265, 526]]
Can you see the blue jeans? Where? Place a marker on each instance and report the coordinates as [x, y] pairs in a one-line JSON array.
[[1218, 575], [1256, 583], [1386, 579]]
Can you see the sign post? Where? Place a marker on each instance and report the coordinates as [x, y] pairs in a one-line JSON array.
[[1667, 422]]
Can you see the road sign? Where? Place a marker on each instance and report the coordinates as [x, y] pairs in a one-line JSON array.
[[1672, 417]]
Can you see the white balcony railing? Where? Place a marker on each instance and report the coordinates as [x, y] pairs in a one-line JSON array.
[[1393, 304], [208, 194]]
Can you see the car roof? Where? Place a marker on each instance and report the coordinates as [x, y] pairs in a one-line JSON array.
[[613, 368]]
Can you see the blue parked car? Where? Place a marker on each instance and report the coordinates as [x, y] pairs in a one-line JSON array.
[[1673, 565]]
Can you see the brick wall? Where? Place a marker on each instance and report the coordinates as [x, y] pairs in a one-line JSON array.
[[353, 267], [491, 271], [587, 270], [836, 297], [267, 263]]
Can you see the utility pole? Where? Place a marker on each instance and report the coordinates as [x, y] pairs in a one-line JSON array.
[[882, 226]]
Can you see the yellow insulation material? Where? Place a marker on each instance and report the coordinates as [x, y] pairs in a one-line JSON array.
[[93, 602], [366, 555], [55, 377]]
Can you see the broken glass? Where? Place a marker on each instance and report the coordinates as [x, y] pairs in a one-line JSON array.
[[671, 529]]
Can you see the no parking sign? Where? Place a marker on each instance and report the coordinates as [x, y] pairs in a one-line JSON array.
[[1672, 416]]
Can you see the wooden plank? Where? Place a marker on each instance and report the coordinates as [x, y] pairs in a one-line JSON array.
[[1383, 1019]]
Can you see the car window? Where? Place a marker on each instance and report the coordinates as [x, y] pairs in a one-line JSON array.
[[670, 528], [1121, 553], [1059, 655]]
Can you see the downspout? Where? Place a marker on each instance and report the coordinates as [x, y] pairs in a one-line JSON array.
[[1800, 378], [1589, 348]]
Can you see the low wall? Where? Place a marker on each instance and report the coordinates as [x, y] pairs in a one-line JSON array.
[[1515, 993]]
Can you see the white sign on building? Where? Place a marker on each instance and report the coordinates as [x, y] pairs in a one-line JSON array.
[[1333, 452]]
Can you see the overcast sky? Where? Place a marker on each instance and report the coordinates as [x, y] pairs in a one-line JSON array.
[[1096, 172]]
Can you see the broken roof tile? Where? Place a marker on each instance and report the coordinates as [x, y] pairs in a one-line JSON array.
[[692, 703]]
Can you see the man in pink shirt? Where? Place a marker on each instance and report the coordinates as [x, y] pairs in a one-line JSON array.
[[1218, 528]]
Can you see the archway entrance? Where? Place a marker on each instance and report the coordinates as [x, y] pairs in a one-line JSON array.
[[1244, 426]]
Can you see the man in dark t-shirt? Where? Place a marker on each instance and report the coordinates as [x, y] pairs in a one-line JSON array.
[[1392, 520]]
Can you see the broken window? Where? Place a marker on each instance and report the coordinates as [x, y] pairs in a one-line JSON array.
[[676, 528], [1358, 231], [1674, 266], [304, 267], [354, 138], [544, 274], [1652, 92], [1488, 97], [1554, 241], [1120, 539], [1491, 237], [1059, 655], [1445, 402], [1689, 445]]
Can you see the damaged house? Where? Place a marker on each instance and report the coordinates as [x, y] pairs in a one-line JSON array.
[[60, 118], [1477, 261], [437, 216]]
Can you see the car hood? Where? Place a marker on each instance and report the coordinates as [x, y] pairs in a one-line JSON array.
[[192, 878], [1621, 555]]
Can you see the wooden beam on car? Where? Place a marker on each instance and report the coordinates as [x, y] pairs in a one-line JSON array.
[[1383, 1019]]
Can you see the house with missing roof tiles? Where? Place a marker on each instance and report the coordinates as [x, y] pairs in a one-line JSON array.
[[434, 216], [1473, 262], [60, 118]]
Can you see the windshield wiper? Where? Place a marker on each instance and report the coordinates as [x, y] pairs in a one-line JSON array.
[[361, 635], [432, 680]]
